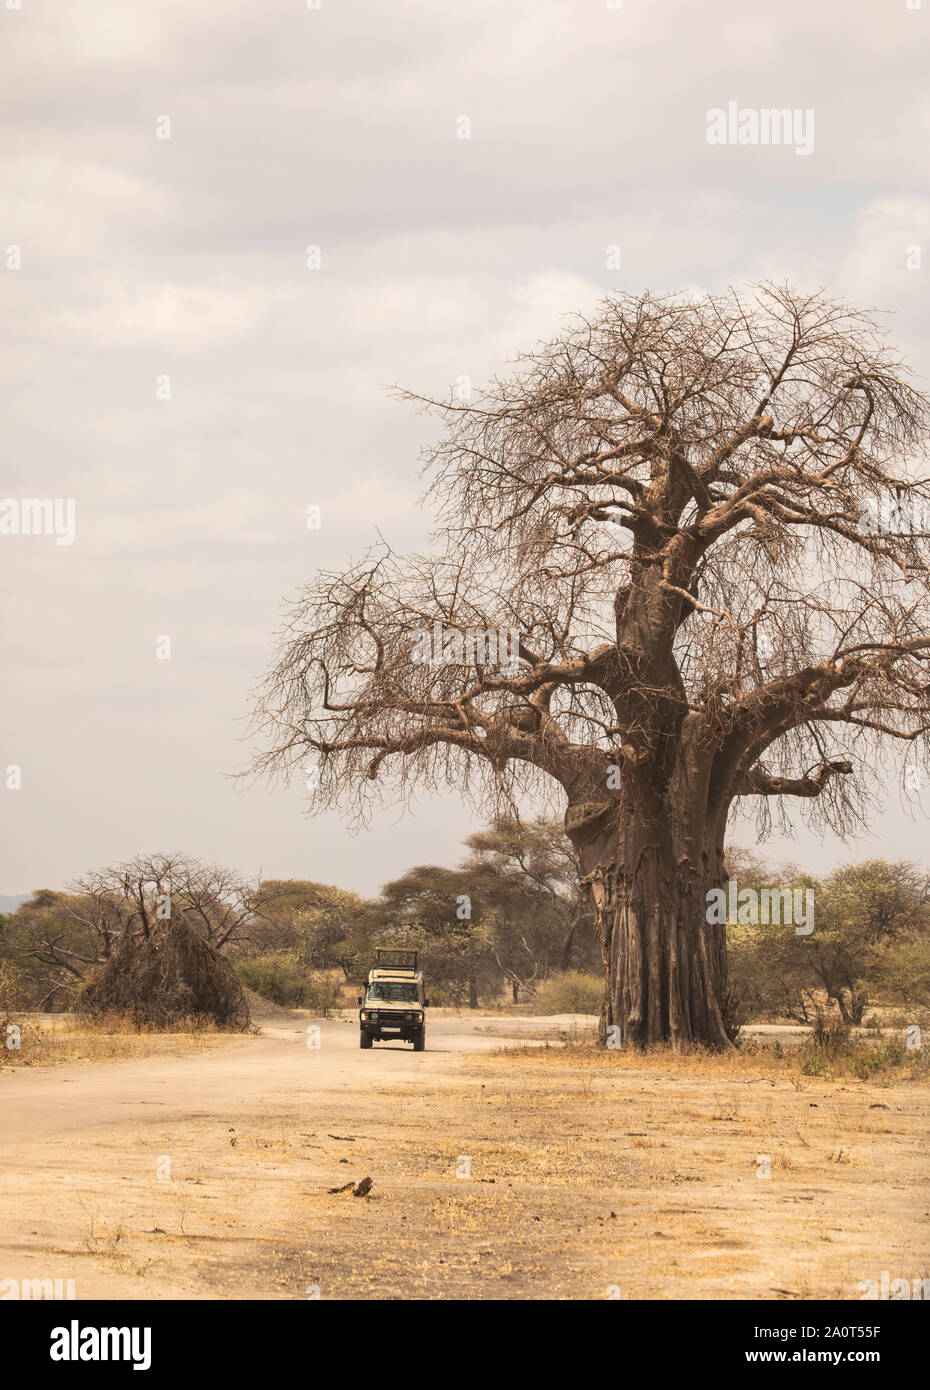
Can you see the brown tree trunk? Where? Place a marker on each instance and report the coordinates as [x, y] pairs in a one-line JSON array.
[[665, 964], [516, 991], [839, 998], [568, 946], [472, 995]]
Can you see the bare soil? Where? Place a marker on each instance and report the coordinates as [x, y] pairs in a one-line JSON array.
[[500, 1167]]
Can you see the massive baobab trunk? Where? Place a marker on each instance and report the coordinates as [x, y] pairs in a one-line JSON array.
[[665, 964]]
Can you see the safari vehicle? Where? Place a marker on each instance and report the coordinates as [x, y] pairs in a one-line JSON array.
[[393, 1003]]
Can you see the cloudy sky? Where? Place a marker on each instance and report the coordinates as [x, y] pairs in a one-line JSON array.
[[141, 258]]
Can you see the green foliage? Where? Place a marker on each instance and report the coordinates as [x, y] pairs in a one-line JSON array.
[[456, 959], [526, 876], [50, 942], [903, 972], [511, 913], [304, 917], [769, 973], [508, 916], [283, 978], [871, 940], [321, 997]]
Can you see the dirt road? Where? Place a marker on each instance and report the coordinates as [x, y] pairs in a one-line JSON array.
[[286, 1061], [527, 1175]]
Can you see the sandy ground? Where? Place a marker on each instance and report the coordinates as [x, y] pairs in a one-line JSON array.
[[527, 1174]]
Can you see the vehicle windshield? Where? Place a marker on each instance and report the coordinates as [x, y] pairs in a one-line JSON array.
[[387, 993]]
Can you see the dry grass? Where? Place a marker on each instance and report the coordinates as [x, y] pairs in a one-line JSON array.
[[834, 1055], [664, 1176], [49, 1040]]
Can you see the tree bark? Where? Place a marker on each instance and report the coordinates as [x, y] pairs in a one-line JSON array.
[[664, 963]]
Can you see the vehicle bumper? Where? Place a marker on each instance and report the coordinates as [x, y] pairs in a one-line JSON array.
[[382, 1032]]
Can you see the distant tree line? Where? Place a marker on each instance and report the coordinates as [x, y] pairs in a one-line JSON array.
[[510, 922], [508, 917], [870, 944]]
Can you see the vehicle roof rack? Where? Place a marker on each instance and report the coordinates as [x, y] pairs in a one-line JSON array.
[[395, 958]]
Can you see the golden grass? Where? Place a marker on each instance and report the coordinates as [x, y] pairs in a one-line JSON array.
[[859, 1058], [51, 1040]]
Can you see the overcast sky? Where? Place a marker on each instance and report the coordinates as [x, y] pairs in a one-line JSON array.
[[338, 127]]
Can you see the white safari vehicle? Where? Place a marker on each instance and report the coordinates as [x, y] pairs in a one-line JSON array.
[[393, 1003]]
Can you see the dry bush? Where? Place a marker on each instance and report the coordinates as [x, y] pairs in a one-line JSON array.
[[157, 981], [10, 1002], [284, 979], [833, 1050], [10, 989]]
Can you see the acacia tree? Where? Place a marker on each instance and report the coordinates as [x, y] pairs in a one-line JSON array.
[[516, 901], [529, 872], [667, 503]]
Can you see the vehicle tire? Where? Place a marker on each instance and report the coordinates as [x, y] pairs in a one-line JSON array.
[[419, 1041], [364, 1039]]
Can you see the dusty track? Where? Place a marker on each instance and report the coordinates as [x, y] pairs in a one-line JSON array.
[[582, 1180]]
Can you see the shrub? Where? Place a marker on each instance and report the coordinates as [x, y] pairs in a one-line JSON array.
[[285, 979], [10, 1001], [173, 974], [11, 991], [321, 996], [569, 992], [832, 1050], [277, 976]]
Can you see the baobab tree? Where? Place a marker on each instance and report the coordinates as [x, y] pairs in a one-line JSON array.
[[673, 503]]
